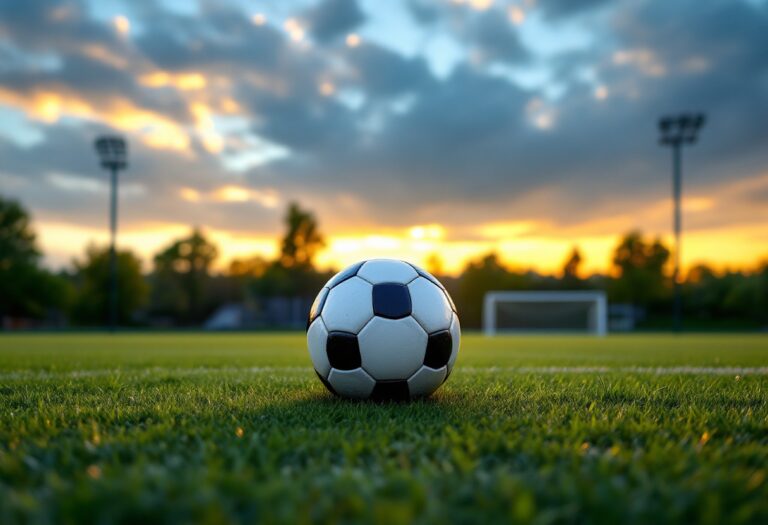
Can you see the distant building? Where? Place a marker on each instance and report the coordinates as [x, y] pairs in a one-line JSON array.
[[623, 317], [268, 312]]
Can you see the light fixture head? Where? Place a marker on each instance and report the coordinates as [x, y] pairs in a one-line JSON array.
[[112, 151]]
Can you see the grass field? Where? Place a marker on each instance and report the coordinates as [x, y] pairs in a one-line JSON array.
[[236, 428]]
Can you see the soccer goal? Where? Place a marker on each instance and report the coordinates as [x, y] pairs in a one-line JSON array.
[[545, 312]]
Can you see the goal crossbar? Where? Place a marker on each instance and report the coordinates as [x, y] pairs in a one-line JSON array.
[[598, 313]]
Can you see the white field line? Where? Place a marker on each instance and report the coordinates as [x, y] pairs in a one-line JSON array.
[[272, 371], [294, 372], [653, 370]]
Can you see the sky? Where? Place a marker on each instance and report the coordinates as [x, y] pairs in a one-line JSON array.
[[410, 128]]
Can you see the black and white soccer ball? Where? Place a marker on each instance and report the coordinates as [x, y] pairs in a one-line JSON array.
[[383, 329]]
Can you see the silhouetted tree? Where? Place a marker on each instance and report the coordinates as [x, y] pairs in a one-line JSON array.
[[92, 275], [293, 273], [302, 239], [254, 266], [181, 276], [761, 285], [640, 270], [571, 268], [435, 264], [481, 276], [26, 290], [17, 239], [727, 298]]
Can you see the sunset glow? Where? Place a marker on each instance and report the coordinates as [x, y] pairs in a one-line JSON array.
[[544, 253]]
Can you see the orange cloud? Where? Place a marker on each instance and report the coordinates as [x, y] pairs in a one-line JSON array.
[[540, 113], [190, 194], [181, 81], [122, 25], [516, 14], [229, 105], [326, 88], [353, 40], [480, 5], [294, 29], [154, 129], [205, 127], [266, 197], [601, 92], [644, 60], [104, 55]]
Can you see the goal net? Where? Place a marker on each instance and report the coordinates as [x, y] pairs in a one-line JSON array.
[[567, 312]]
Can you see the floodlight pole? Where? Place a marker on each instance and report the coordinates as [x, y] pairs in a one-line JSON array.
[[677, 307], [112, 251], [112, 152], [675, 132]]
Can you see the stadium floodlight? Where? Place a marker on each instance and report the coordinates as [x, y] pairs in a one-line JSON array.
[[677, 131], [113, 155], [550, 311]]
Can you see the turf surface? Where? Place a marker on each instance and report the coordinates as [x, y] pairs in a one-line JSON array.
[[236, 428]]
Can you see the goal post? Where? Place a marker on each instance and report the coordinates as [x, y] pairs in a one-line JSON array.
[[545, 311]]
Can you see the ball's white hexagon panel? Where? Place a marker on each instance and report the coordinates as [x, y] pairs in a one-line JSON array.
[[387, 271], [351, 383], [456, 341], [348, 306], [317, 336], [392, 348], [419, 269], [426, 381], [430, 307]]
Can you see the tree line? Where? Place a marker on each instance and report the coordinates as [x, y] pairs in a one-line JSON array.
[[182, 288]]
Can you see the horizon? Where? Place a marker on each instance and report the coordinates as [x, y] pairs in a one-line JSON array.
[[417, 245], [408, 128]]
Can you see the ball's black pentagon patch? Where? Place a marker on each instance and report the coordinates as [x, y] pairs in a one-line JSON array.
[[343, 351], [317, 306], [390, 391], [326, 383], [438, 349], [391, 300], [344, 275]]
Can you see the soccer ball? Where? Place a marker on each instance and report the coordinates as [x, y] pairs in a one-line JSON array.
[[383, 329]]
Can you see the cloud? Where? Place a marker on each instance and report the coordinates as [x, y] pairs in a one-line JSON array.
[[424, 12], [384, 73], [485, 28], [331, 19], [496, 38], [41, 25], [558, 9]]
